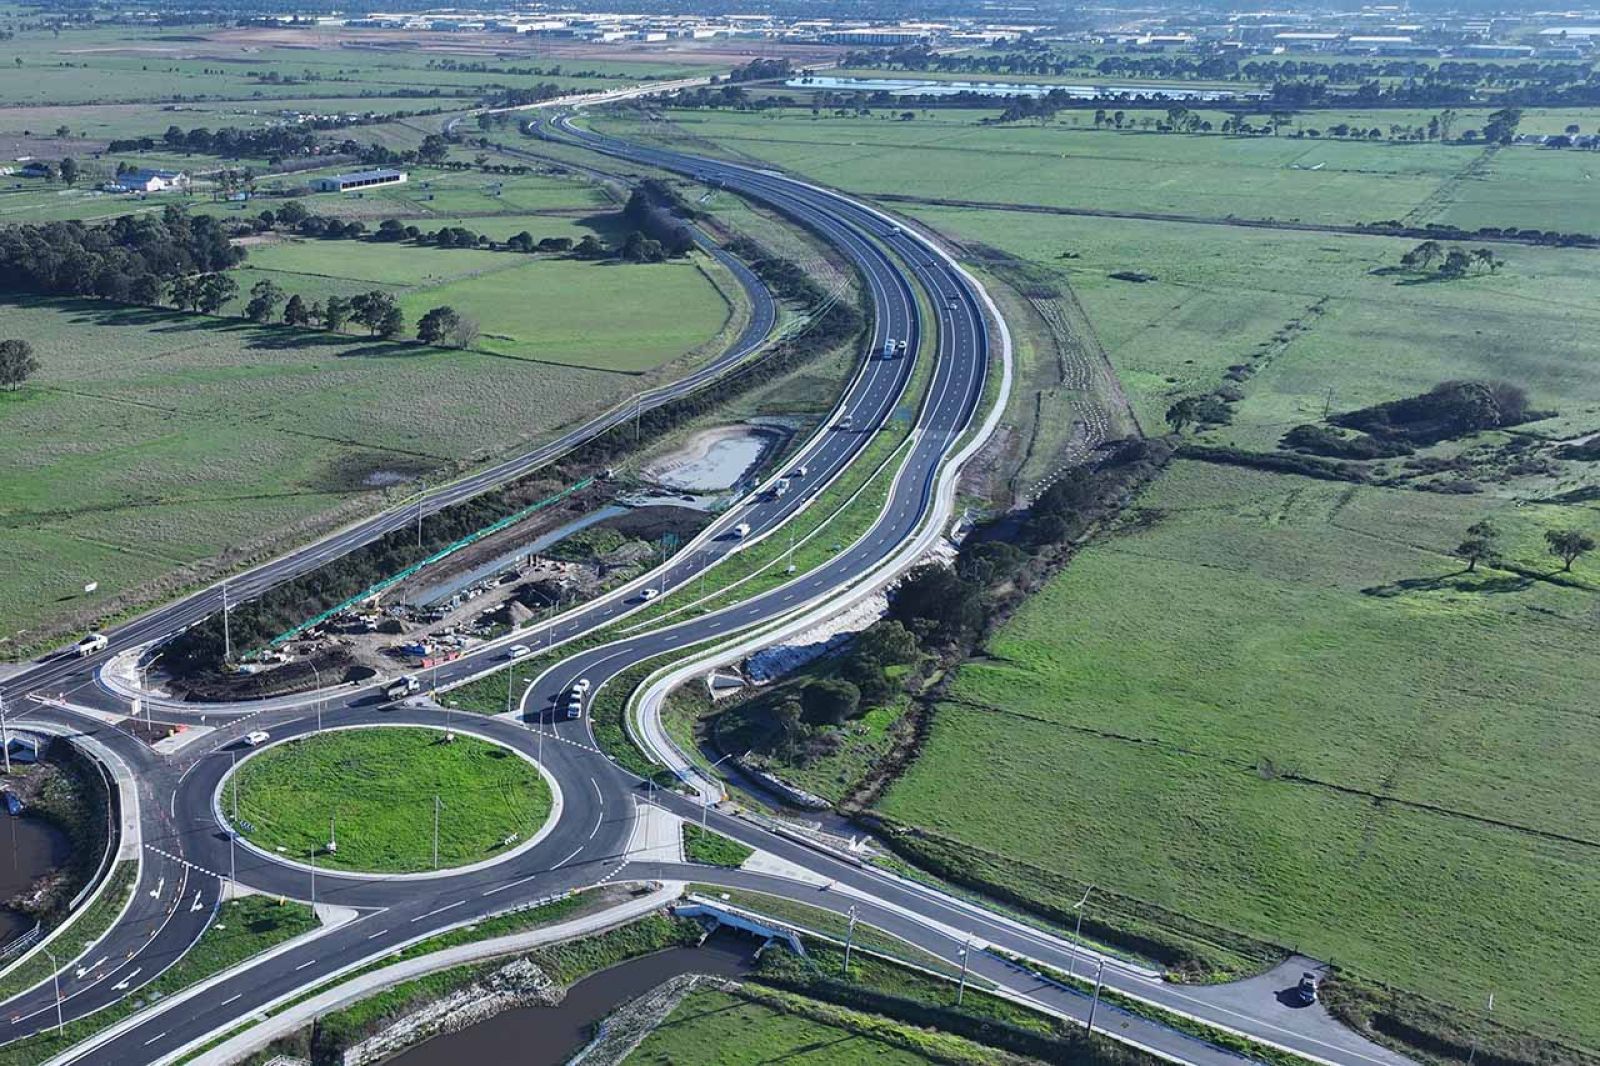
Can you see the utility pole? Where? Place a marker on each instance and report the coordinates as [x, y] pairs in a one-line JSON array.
[[5, 738], [849, 942], [313, 877], [1100, 965], [227, 636], [318, 675], [435, 830], [421, 494], [55, 977], [966, 951], [1077, 933], [1474, 1052], [509, 675], [233, 830]]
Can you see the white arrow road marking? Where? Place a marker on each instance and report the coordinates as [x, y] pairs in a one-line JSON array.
[[93, 965], [155, 893], [122, 986], [196, 901]]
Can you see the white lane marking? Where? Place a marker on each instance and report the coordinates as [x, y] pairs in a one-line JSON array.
[[568, 859], [92, 966], [230, 999], [376, 935], [439, 910], [512, 884], [122, 986], [153, 1039], [597, 793], [303, 965], [597, 823]]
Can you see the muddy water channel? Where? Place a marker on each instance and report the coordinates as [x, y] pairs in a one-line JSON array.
[[548, 1036], [30, 848]]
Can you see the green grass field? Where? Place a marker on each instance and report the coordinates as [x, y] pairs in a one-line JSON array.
[[947, 154], [718, 1027], [1237, 715], [150, 441], [379, 786]]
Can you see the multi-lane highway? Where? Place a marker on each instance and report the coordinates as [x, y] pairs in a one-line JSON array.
[[188, 852]]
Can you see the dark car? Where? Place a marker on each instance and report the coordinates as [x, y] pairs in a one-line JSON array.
[[1307, 989]]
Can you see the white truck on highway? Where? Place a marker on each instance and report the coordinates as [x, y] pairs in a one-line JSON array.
[[403, 687], [94, 642]]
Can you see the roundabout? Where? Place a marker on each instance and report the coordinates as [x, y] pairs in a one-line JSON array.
[[388, 800]]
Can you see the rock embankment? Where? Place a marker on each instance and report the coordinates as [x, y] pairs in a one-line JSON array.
[[518, 983]]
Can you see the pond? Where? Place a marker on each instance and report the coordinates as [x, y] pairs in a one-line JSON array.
[[549, 1036], [927, 87]]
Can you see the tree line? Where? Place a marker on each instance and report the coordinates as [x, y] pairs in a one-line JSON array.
[[130, 259]]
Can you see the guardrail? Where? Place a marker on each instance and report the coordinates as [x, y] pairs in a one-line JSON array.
[[113, 819], [23, 942]]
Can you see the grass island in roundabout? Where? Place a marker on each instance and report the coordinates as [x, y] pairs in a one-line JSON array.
[[375, 791]]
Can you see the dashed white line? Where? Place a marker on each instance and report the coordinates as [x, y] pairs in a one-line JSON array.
[[568, 859], [439, 910]]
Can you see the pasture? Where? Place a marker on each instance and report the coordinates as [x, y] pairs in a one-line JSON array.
[[947, 154], [1279, 706], [149, 442]]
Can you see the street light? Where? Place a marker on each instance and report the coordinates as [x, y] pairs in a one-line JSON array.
[[849, 942], [710, 803], [1077, 933], [1100, 965], [966, 951], [55, 977]]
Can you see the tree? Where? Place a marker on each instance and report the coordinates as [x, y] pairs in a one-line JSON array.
[[465, 335], [295, 312], [17, 363], [438, 326], [1422, 256], [889, 642], [377, 310], [292, 213], [1479, 544], [185, 292], [1181, 414], [641, 249], [336, 313], [589, 248], [265, 296], [830, 701], [215, 290], [932, 600], [434, 149], [68, 171], [146, 289], [1567, 545], [788, 716], [1455, 263]]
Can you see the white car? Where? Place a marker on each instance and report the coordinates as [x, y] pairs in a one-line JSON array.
[[581, 685], [257, 738], [649, 594], [517, 651]]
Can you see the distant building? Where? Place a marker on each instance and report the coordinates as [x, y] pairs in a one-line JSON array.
[[360, 179], [152, 180]]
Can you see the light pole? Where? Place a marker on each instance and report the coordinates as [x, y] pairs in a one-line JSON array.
[[1474, 1052], [1077, 933], [1100, 965], [227, 636], [313, 876], [966, 951], [55, 977], [5, 738], [233, 830], [709, 803], [849, 942]]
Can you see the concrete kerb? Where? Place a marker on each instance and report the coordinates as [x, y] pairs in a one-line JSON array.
[[302, 1013], [129, 849], [557, 805], [83, 1047]]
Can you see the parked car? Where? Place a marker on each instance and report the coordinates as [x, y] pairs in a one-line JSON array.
[[1307, 989]]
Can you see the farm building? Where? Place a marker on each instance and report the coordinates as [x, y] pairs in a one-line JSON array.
[[361, 179], [152, 180]]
